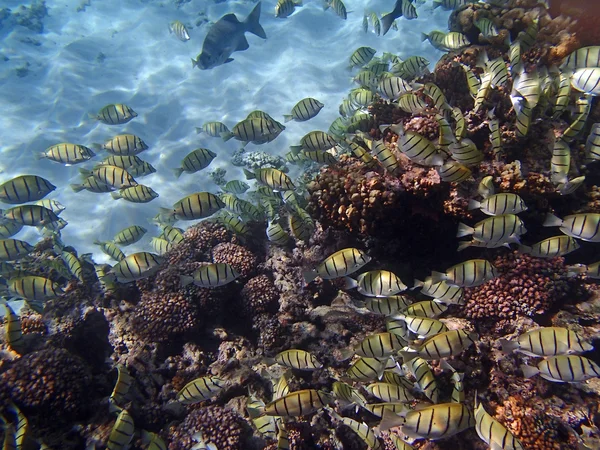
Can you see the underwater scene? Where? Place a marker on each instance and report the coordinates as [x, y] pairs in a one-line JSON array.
[[297, 224]]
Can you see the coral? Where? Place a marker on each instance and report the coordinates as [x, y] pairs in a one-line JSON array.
[[218, 176], [525, 286], [237, 256], [31, 322], [259, 160], [221, 426], [198, 241], [259, 295], [52, 385], [163, 317]]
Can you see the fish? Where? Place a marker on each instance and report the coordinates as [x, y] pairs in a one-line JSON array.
[[515, 53], [110, 249], [564, 369], [304, 110], [418, 148], [121, 433], [122, 385], [34, 288], [584, 226], [273, 178], [67, 153], [200, 389], [469, 273], [465, 152], [281, 387], [426, 308], [14, 249], [367, 79], [401, 8], [455, 41], [425, 379], [72, 263], [492, 432], [111, 176], [255, 130], [378, 283], [431, 422], [340, 264], [376, 23], [592, 144], [201, 443], [227, 35], [486, 27], [399, 444], [92, 184], [527, 85], [393, 377], [582, 58], [337, 6], [387, 392], [412, 103], [172, 234], [377, 409], [160, 245], [236, 187], [179, 30], [387, 305], [587, 80], [435, 38], [298, 403], [502, 229], [300, 226], [276, 234], [424, 327], [285, 8], [136, 266], [443, 345], [440, 291], [31, 215], [319, 156], [125, 144], [561, 100], [135, 194], [195, 206], [364, 431], [454, 172], [195, 161], [365, 369], [412, 67], [451, 4], [115, 114], [362, 98], [122, 161], [24, 189], [153, 441], [436, 95], [379, 345], [483, 91], [551, 247], [213, 129], [211, 276], [348, 394], [385, 156], [547, 341], [129, 235], [241, 207], [486, 186], [9, 228], [12, 330], [398, 327], [265, 425], [298, 359], [461, 126], [392, 88]]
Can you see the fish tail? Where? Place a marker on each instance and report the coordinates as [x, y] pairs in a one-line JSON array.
[[386, 22], [77, 187], [309, 276], [252, 22], [529, 371], [508, 346], [116, 195], [195, 62], [287, 117], [552, 221], [423, 37], [462, 245], [226, 136], [198, 129], [464, 230], [249, 175], [185, 280], [178, 172], [473, 204]]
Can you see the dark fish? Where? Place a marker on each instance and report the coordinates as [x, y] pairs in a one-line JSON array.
[[227, 36]]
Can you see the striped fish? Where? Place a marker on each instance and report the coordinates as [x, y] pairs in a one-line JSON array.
[[319, 156], [195, 206], [12, 330], [392, 88], [431, 422], [527, 85], [53, 205], [483, 91], [365, 369], [473, 82], [232, 223], [115, 114], [72, 263], [515, 53], [376, 24], [236, 187], [135, 194], [486, 26], [21, 429], [379, 345], [298, 359], [281, 387], [122, 432], [455, 41], [122, 385], [423, 327], [398, 327], [304, 110], [498, 71], [486, 186], [471, 273], [561, 101], [436, 95], [502, 229], [385, 156], [340, 264], [379, 283], [564, 369], [412, 103], [110, 249], [387, 392], [547, 341], [336, 6], [34, 288], [136, 266], [300, 225], [592, 145], [561, 161], [419, 149], [14, 249], [552, 247], [92, 184], [255, 129], [582, 58], [441, 291], [67, 153], [9, 228], [172, 234], [387, 305], [298, 403], [285, 8], [213, 129], [587, 80], [111, 176], [200, 389], [392, 377], [399, 444], [129, 235], [153, 441], [211, 276], [348, 394], [584, 226], [179, 30], [451, 4], [492, 432], [32, 215], [123, 161], [276, 234], [412, 67], [273, 178], [25, 188], [465, 152], [361, 97], [583, 107], [444, 345], [454, 172], [377, 409], [195, 161], [160, 245], [364, 432], [435, 38], [445, 130], [125, 145], [427, 308], [265, 425], [361, 56], [461, 126], [425, 379]]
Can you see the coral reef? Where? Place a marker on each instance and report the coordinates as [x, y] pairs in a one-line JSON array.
[[30, 17], [237, 256]]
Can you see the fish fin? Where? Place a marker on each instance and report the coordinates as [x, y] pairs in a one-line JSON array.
[[249, 175], [508, 346], [464, 230], [473, 204], [529, 371], [390, 420], [417, 284], [287, 117], [226, 135], [85, 173], [325, 5], [116, 195], [552, 221], [346, 354], [178, 172], [462, 245], [185, 280], [252, 24], [243, 45], [228, 60], [309, 276], [444, 365], [436, 277], [349, 283]]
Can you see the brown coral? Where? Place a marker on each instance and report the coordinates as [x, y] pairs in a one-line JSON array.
[[237, 256], [259, 295]]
